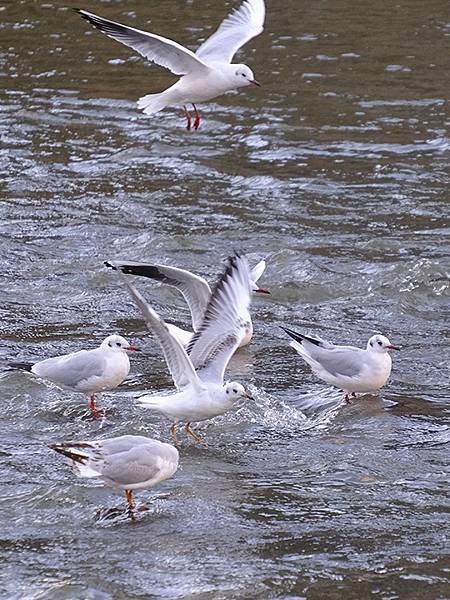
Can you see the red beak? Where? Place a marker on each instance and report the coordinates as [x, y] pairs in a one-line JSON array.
[[249, 396], [392, 347], [261, 291], [255, 82], [134, 348]]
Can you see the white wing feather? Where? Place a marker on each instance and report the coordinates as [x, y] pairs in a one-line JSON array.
[[158, 49], [178, 362], [236, 30], [224, 324]]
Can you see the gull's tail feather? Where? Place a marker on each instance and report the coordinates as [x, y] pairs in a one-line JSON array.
[[19, 366], [80, 459], [152, 103]]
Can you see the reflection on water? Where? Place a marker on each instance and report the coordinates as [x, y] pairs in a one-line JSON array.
[[336, 171]]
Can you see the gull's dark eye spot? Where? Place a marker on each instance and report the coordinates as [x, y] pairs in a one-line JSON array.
[[243, 74], [235, 391], [109, 344], [118, 344], [371, 343], [380, 343]]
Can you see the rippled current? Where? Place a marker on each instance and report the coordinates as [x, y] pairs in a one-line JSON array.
[[335, 170]]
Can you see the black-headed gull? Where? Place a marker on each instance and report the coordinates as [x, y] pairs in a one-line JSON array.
[[348, 368], [204, 75], [128, 462], [195, 290], [88, 371], [198, 371]]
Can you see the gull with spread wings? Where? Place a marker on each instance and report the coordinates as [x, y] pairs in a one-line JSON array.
[[198, 371], [205, 74], [195, 290]]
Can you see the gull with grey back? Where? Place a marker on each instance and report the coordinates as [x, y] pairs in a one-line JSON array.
[[198, 371], [205, 74], [348, 368], [127, 462], [89, 371], [195, 290]]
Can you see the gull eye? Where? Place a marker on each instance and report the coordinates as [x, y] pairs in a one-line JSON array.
[[235, 391], [227, 391], [118, 344], [109, 344], [371, 343], [380, 343], [243, 74]]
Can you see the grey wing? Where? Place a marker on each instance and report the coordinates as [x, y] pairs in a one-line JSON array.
[[178, 362], [236, 30], [224, 324], [71, 370], [131, 467], [195, 289], [158, 49], [345, 361]]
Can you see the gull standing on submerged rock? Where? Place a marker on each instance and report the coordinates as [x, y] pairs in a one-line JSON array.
[[195, 290], [198, 371], [346, 367], [204, 75], [128, 462]]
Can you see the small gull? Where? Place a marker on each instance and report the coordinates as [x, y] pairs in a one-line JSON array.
[[195, 290], [128, 462], [198, 371], [205, 74], [348, 368], [88, 371]]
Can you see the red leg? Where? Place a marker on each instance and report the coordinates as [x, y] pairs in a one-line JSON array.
[[347, 399], [97, 414], [129, 495], [353, 395], [188, 118], [197, 118]]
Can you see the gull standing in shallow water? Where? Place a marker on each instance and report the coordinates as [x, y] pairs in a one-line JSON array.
[[87, 371], [128, 462], [346, 367], [204, 75], [195, 290], [198, 371]]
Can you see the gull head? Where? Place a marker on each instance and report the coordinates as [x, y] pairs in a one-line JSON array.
[[241, 76], [234, 391], [381, 344], [116, 343]]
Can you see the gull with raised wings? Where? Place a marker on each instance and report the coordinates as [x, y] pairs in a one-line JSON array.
[[195, 290], [348, 368], [205, 74], [198, 371], [127, 462]]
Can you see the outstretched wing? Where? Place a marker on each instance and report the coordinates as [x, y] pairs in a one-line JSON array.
[[236, 30], [178, 362], [226, 319], [158, 49], [195, 289]]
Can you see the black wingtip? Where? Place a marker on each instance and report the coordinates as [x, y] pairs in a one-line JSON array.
[[300, 337], [110, 265]]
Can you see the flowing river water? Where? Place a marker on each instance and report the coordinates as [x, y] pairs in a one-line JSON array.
[[337, 171]]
